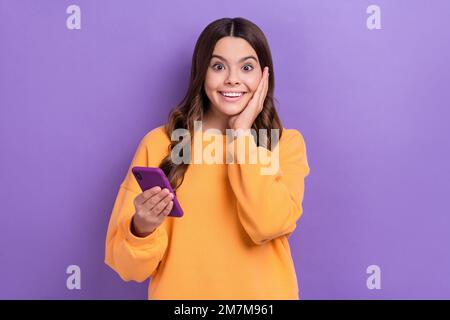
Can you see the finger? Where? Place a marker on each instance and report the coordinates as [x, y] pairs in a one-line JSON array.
[[162, 204], [266, 82], [263, 82], [253, 104], [263, 93], [260, 94], [153, 201], [167, 209], [144, 196]]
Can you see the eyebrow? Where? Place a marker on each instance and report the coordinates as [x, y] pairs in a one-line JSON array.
[[243, 59]]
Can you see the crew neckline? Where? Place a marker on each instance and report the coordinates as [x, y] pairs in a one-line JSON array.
[[213, 132]]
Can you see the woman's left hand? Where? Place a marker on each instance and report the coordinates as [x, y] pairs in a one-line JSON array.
[[244, 120]]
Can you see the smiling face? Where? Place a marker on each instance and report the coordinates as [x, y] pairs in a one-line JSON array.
[[234, 69]]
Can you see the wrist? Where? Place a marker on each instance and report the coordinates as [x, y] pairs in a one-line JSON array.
[[241, 132], [138, 232]]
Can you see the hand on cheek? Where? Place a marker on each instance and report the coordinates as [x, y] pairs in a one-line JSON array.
[[245, 119]]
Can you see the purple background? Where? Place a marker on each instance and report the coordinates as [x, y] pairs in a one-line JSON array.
[[372, 106]]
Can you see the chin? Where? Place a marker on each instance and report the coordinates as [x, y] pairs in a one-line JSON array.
[[230, 109]]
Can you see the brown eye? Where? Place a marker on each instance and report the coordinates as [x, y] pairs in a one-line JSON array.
[[249, 65], [217, 64]]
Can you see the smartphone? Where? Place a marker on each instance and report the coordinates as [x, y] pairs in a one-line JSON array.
[[149, 177]]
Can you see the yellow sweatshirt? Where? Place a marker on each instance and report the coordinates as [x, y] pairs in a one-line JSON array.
[[232, 242]]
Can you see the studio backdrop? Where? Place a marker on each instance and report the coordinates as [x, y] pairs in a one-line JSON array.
[[365, 82]]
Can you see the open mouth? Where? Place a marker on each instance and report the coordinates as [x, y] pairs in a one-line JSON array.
[[232, 96]]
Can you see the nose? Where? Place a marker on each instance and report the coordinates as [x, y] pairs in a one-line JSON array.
[[232, 78]]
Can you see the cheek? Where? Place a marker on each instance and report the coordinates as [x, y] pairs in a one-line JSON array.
[[212, 81], [209, 88], [253, 84]]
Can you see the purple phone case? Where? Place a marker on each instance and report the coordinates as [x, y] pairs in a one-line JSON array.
[[149, 177]]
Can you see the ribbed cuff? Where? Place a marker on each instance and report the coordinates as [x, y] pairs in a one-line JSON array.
[[156, 238]]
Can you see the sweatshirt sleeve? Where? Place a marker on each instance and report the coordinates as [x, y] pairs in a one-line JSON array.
[[269, 205], [133, 258]]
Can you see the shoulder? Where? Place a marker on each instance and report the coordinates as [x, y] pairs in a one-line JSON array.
[[290, 136], [293, 148], [153, 146], [156, 138], [292, 142], [155, 135]]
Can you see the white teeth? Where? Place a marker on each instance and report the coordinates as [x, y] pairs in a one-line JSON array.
[[231, 94]]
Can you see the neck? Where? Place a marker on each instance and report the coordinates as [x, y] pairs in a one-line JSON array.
[[212, 119]]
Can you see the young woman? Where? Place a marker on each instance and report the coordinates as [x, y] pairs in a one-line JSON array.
[[232, 242]]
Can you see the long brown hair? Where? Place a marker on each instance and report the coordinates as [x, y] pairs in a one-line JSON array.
[[196, 102]]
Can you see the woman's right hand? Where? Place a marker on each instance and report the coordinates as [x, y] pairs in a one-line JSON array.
[[151, 207]]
